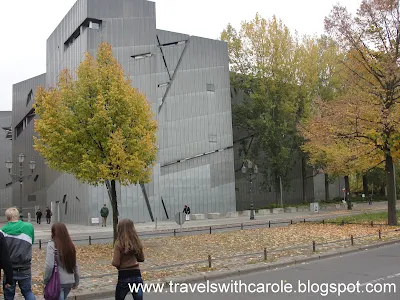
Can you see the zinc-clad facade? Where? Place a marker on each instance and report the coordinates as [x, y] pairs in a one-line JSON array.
[[186, 80], [5, 154]]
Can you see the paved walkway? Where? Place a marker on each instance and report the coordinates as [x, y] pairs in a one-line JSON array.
[[43, 230]]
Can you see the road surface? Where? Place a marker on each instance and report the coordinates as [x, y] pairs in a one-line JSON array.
[[373, 270]]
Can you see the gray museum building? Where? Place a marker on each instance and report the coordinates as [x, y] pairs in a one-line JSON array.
[[186, 80]]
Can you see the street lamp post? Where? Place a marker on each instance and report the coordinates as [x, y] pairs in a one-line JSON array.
[[20, 177], [253, 170]]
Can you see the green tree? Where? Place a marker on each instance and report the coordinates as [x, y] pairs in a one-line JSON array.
[[97, 126], [283, 77]]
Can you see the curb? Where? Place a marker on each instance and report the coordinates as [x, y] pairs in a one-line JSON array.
[[254, 269]]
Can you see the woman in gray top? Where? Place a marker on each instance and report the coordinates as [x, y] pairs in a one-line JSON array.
[[66, 260]]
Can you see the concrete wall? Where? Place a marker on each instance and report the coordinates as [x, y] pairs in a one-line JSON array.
[[5, 154]]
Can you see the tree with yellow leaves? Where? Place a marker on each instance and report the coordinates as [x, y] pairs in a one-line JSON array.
[[97, 126], [366, 116]]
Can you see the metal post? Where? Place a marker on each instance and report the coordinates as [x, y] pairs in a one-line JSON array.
[[174, 232], [209, 261], [269, 224], [380, 234], [352, 240], [210, 229], [251, 210], [40, 244], [280, 183], [21, 216], [90, 240], [265, 253], [241, 226], [313, 246]]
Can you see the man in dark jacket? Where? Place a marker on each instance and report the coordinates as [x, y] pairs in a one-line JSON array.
[[5, 263], [19, 237], [38, 216], [104, 214]]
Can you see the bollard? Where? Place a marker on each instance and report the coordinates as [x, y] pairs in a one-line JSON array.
[[241, 226], [380, 234], [304, 220], [269, 224], [40, 244], [352, 240], [90, 240], [372, 223], [174, 232], [210, 229], [342, 222], [323, 221], [209, 261], [265, 253], [291, 222], [313, 246]]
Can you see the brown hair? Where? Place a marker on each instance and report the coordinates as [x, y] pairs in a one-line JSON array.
[[128, 239], [64, 245]]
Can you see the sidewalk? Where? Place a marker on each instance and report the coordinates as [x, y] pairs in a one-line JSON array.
[[43, 231]]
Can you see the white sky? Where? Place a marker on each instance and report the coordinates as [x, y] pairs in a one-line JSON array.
[[26, 25]]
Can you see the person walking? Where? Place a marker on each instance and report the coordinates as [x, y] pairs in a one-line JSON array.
[[38, 216], [128, 252], [66, 260], [186, 211], [19, 237], [48, 215], [104, 214]]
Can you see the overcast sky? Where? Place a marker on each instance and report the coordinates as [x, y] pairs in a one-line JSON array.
[[26, 25]]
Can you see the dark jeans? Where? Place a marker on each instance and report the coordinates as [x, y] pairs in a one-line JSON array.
[[65, 289], [48, 219], [124, 287], [24, 282], [38, 220]]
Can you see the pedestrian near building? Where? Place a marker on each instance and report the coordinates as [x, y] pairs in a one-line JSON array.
[[186, 211], [38, 216], [62, 247], [128, 252], [104, 214], [48, 215], [19, 237]]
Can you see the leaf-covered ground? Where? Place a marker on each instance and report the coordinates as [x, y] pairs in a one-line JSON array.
[[95, 260]]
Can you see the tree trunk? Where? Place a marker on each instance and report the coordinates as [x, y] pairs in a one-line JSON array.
[[347, 187], [326, 187], [365, 185], [114, 205], [304, 177], [391, 190]]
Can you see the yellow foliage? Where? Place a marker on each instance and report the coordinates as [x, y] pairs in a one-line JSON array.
[[97, 127]]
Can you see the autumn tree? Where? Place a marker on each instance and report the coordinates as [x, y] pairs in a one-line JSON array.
[[97, 126], [367, 114]]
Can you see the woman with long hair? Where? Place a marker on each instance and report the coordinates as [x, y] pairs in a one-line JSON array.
[[66, 259], [128, 252]]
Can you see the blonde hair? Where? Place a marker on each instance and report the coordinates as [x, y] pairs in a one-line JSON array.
[[12, 214], [128, 239]]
